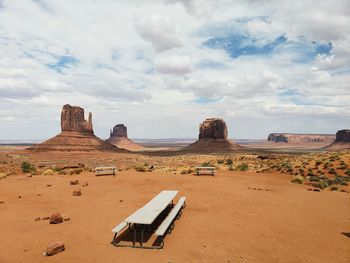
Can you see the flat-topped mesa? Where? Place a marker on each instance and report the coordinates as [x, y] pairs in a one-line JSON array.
[[73, 119], [342, 136], [119, 130], [301, 138], [213, 128]]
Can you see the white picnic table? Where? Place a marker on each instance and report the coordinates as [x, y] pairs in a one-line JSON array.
[[149, 212]]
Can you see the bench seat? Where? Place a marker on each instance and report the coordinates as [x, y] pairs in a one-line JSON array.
[[170, 218], [106, 170], [119, 227]]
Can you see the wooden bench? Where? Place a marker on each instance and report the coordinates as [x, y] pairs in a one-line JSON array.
[[205, 170], [106, 170], [168, 223]]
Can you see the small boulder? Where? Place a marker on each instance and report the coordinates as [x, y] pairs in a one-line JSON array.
[[55, 218], [37, 219], [85, 184], [74, 182], [54, 247], [77, 192]]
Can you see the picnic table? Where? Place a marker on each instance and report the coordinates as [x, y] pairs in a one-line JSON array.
[[208, 170], [143, 218]]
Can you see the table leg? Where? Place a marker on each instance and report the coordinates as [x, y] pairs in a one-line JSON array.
[[142, 236], [133, 243]]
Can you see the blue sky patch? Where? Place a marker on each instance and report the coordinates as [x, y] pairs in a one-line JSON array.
[[62, 63], [204, 100]]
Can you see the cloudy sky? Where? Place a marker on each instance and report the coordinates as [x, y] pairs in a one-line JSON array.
[[161, 67]]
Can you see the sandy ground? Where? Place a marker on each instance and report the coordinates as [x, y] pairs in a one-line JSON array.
[[225, 220]]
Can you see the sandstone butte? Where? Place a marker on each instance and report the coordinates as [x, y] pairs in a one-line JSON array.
[[342, 140], [76, 134], [294, 138], [119, 137], [213, 136]]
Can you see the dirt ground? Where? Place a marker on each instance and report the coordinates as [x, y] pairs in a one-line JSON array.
[[233, 217]]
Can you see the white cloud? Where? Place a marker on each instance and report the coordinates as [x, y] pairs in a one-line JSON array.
[[161, 31], [173, 64]]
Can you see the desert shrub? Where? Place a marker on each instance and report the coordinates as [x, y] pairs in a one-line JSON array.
[[48, 172], [310, 173], [347, 172], [229, 162], [76, 171], [145, 164], [189, 171], [184, 171], [342, 167], [321, 184], [230, 168], [140, 169], [220, 161], [298, 179], [206, 164], [3, 175], [314, 179], [318, 162], [286, 165], [334, 188], [332, 171], [27, 167], [243, 167]]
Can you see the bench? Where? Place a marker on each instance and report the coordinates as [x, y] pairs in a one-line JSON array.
[[106, 170], [205, 170], [175, 213]]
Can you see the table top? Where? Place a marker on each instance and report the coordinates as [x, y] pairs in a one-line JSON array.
[[149, 212]]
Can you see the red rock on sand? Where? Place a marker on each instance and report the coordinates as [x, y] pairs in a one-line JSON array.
[[77, 192], [56, 218], [54, 247], [74, 182]]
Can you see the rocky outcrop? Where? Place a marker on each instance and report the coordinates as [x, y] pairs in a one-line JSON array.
[[342, 136], [119, 138], [73, 119], [342, 140], [213, 128], [54, 247], [77, 134], [301, 138], [213, 137]]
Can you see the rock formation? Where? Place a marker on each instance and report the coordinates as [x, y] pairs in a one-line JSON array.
[[301, 138], [76, 134], [213, 137], [119, 138], [342, 140]]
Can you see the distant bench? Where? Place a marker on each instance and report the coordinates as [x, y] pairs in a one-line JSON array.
[[106, 170], [202, 170]]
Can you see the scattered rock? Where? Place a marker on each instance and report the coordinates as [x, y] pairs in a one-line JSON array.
[[85, 184], [45, 218], [74, 182], [48, 185], [121, 200], [29, 175], [37, 219], [77, 192], [19, 196], [54, 247], [56, 218], [66, 219], [2, 202]]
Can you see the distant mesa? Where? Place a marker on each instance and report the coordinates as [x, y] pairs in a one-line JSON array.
[[342, 140], [213, 136], [77, 134], [294, 138], [119, 138]]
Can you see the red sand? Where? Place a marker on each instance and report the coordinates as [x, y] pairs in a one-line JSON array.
[[224, 221]]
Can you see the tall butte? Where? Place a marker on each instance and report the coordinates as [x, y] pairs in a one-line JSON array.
[[77, 134], [119, 138], [342, 140], [213, 137]]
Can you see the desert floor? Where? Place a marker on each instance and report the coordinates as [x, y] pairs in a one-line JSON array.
[[232, 217]]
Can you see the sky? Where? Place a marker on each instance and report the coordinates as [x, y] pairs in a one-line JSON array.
[[162, 67]]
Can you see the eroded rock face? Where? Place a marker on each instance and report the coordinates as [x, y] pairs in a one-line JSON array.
[[343, 136], [119, 130], [301, 138], [73, 119], [213, 128]]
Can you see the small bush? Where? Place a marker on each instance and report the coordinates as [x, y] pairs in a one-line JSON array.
[[140, 169], [322, 184], [3, 175], [206, 164], [184, 171], [332, 171], [48, 172], [243, 167], [334, 188], [229, 162], [298, 179], [27, 167], [76, 171], [220, 161], [318, 162], [230, 168]]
